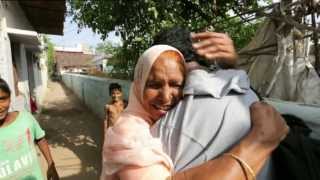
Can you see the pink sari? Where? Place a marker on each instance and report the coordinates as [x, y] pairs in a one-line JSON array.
[[130, 151]]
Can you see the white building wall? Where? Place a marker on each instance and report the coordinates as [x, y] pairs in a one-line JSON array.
[[18, 52], [37, 92], [5, 56], [44, 76], [24, 79], [42, 73], [14, 15]]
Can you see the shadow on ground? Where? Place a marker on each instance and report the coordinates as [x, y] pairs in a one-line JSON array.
[[74, 134]]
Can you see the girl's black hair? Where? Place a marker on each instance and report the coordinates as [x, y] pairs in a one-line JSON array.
[[4, 86]]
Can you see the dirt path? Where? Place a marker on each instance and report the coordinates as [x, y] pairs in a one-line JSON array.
[[74, 134]]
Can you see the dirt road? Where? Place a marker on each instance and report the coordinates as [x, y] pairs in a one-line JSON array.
[[74, 134]]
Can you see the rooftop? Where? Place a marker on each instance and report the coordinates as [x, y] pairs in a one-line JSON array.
[[72, 59], [46, 16]]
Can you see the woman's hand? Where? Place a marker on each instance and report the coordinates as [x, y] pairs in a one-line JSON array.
[[268, 126], [268, 129]]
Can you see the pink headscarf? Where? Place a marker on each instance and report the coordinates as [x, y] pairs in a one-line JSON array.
[[141, 74], [129, 141]]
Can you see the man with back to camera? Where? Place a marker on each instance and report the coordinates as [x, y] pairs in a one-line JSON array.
[[214, 114]]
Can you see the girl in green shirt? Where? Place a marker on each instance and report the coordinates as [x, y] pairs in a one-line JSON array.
[[19, 131]]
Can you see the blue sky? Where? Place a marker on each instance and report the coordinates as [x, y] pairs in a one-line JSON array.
[[71, 36]]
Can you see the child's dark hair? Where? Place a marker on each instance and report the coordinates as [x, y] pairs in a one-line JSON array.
[[179, 38], [4, 86], [114, 86]]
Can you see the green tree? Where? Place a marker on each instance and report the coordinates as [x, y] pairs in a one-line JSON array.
[[117, 59], [138, 21], [50, 57], [107, 48]]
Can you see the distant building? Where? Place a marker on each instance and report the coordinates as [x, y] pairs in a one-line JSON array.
[[100, 61], [79, 48], [22, 61], [70, 59]]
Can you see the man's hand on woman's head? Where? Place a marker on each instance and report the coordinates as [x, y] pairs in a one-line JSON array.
[[267, 124], [215, 47]]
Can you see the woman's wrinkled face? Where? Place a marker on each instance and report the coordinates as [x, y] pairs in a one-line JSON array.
[[4, 104], [163, 88]]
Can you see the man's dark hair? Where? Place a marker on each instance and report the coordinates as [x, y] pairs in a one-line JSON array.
[[4, 87], [179, 38], [114, 86]]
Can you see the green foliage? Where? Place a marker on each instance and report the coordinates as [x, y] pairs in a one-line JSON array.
[[122, 65], [138, 21], [107, 48], [119, 60], [241, 34], [50, 57]]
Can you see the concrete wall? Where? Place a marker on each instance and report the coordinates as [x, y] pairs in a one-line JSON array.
[[93, 91]]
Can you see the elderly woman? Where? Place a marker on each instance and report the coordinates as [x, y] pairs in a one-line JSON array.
[[130, 151]]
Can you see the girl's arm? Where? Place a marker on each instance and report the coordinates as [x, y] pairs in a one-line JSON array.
[[44, 148]]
